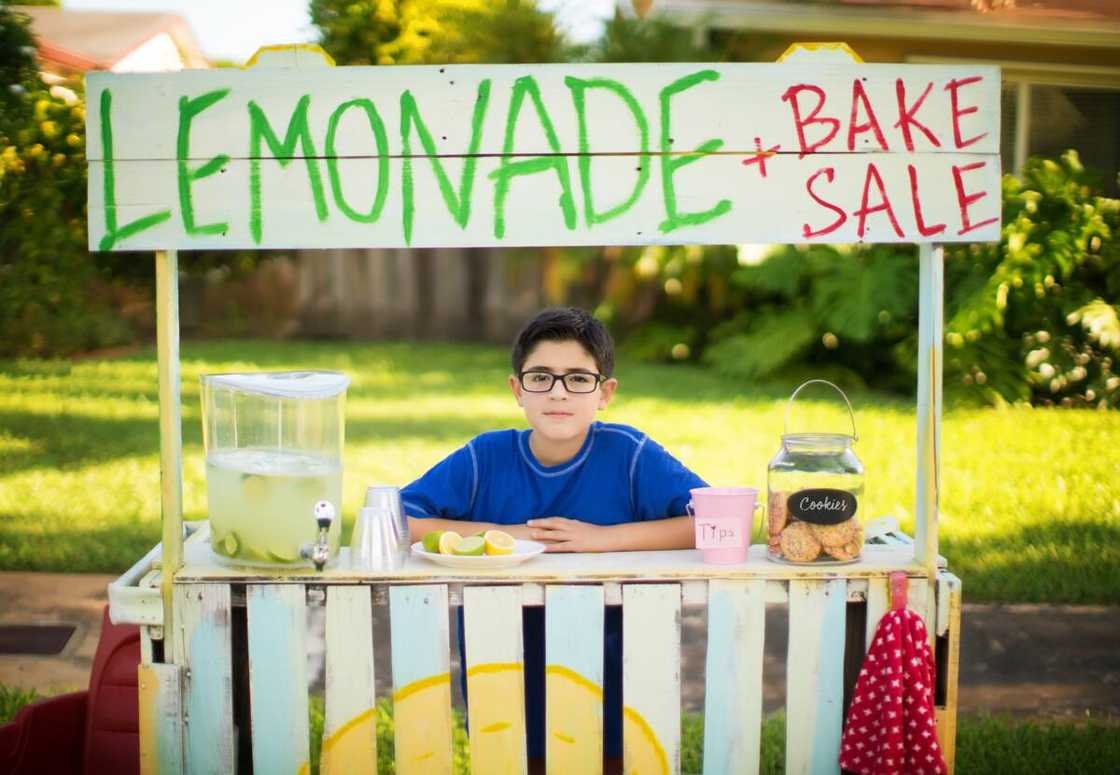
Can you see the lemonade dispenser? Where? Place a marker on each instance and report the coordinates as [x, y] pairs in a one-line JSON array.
[[273, 453]]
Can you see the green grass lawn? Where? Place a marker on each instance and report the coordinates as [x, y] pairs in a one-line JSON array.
[[985, 744], [1030, 499]]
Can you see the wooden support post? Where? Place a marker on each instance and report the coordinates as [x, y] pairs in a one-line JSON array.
[[931, 292], [170, 424]]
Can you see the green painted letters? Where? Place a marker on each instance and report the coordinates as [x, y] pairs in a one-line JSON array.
[[578, 86], [283, 152], [377, 126], [188, 109], [509, 169], [113, 234], [459, 206], [669, 165]]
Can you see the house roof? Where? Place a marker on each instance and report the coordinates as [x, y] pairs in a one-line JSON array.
[[1081, 23], [97, 40]]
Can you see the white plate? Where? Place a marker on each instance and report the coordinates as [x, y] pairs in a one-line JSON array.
[[524, 550]]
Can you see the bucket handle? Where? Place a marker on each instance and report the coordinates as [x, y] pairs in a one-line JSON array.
[[789, 405]]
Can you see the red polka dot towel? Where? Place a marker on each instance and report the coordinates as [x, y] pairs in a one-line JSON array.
[[891, 727]]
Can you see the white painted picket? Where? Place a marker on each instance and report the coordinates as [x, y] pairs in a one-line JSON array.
[[349, 726]]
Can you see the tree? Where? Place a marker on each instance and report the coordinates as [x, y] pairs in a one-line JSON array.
[[45, 269], [405, 32]]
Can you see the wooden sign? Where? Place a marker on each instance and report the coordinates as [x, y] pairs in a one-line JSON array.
[[543, 155]]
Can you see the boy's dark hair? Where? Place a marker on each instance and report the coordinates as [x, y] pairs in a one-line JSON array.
[[561, 324]]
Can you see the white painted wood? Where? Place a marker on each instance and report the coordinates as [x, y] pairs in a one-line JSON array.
[[349, 729], [733, 102], [608, 569], [815, 676], [277, 623], [931, 313], [421, 679], [651, 676], [878, 603], [200, 643], [160, 725], [733, 677], [533, 210], [574, 655], [495, 680]]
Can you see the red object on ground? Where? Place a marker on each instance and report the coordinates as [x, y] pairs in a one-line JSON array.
[[91, 732], [891, 727]]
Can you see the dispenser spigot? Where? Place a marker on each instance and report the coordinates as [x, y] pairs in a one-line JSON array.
[[320, 551]]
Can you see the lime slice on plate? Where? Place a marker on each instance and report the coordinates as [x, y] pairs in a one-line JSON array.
[[471, 546], [430, 541]]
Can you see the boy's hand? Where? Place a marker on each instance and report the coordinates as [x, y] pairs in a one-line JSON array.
[[560, 534]]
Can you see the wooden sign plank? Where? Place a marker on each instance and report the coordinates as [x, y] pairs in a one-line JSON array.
[[733, 676], [716, 199], [495, 680], [451, 110], [350, 726], [651, 678], [165, 147], [277, 615], [574, 679], [421, 679], [201, 647], [815, 676]]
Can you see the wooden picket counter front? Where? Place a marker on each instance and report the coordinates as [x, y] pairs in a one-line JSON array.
[[241, 631]]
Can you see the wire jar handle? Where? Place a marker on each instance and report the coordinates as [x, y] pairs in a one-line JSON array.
[[803, 385]]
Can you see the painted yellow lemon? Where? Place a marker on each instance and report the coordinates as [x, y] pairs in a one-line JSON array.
[[497, 718], [352, 748], [499, 542], [422, 728], [575, 729], [448, 541]]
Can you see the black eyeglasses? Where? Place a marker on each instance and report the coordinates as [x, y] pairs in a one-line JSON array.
[[574, 381]]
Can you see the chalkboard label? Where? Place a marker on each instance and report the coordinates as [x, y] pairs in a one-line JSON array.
[[823, 506]]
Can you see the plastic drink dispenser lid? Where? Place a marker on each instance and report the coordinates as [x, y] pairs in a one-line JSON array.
[[284, 384]]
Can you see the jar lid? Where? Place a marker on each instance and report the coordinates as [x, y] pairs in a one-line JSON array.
[[283, 384]]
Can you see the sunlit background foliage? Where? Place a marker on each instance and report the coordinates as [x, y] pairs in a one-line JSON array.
[[1032, 318]]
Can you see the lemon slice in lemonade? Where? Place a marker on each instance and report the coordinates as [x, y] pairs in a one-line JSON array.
[[448, 541], [470, 546], [499, 542]]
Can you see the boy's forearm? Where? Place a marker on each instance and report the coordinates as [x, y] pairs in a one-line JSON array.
[[419, 526], [668, 533]]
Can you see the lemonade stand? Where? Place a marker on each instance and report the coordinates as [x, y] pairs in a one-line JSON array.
[[294, 153]]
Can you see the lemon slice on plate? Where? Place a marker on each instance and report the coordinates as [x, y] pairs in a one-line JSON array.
[[499, 542], [448, 541]]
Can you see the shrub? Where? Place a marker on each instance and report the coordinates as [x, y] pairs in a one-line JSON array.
[[1035, 316]]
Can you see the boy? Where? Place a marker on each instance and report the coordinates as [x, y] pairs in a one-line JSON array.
[[570, 482]]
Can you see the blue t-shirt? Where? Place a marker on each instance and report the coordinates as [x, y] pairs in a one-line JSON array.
[[619, 475]]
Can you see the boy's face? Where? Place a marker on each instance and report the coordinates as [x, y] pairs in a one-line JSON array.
[[560, 415]]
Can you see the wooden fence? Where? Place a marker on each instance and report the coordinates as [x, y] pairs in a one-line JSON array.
[[233, 691]]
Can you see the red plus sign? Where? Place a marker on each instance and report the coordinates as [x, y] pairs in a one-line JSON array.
[[761, 156]]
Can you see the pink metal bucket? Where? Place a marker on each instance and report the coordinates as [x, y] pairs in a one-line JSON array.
[[724, 520]]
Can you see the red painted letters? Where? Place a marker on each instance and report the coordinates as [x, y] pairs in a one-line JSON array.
[[790, 96]]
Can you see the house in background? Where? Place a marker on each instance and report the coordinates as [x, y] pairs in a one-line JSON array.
[[1060, 58], [71, 43]]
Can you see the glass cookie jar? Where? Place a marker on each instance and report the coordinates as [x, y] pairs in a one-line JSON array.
[[814, 488]]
